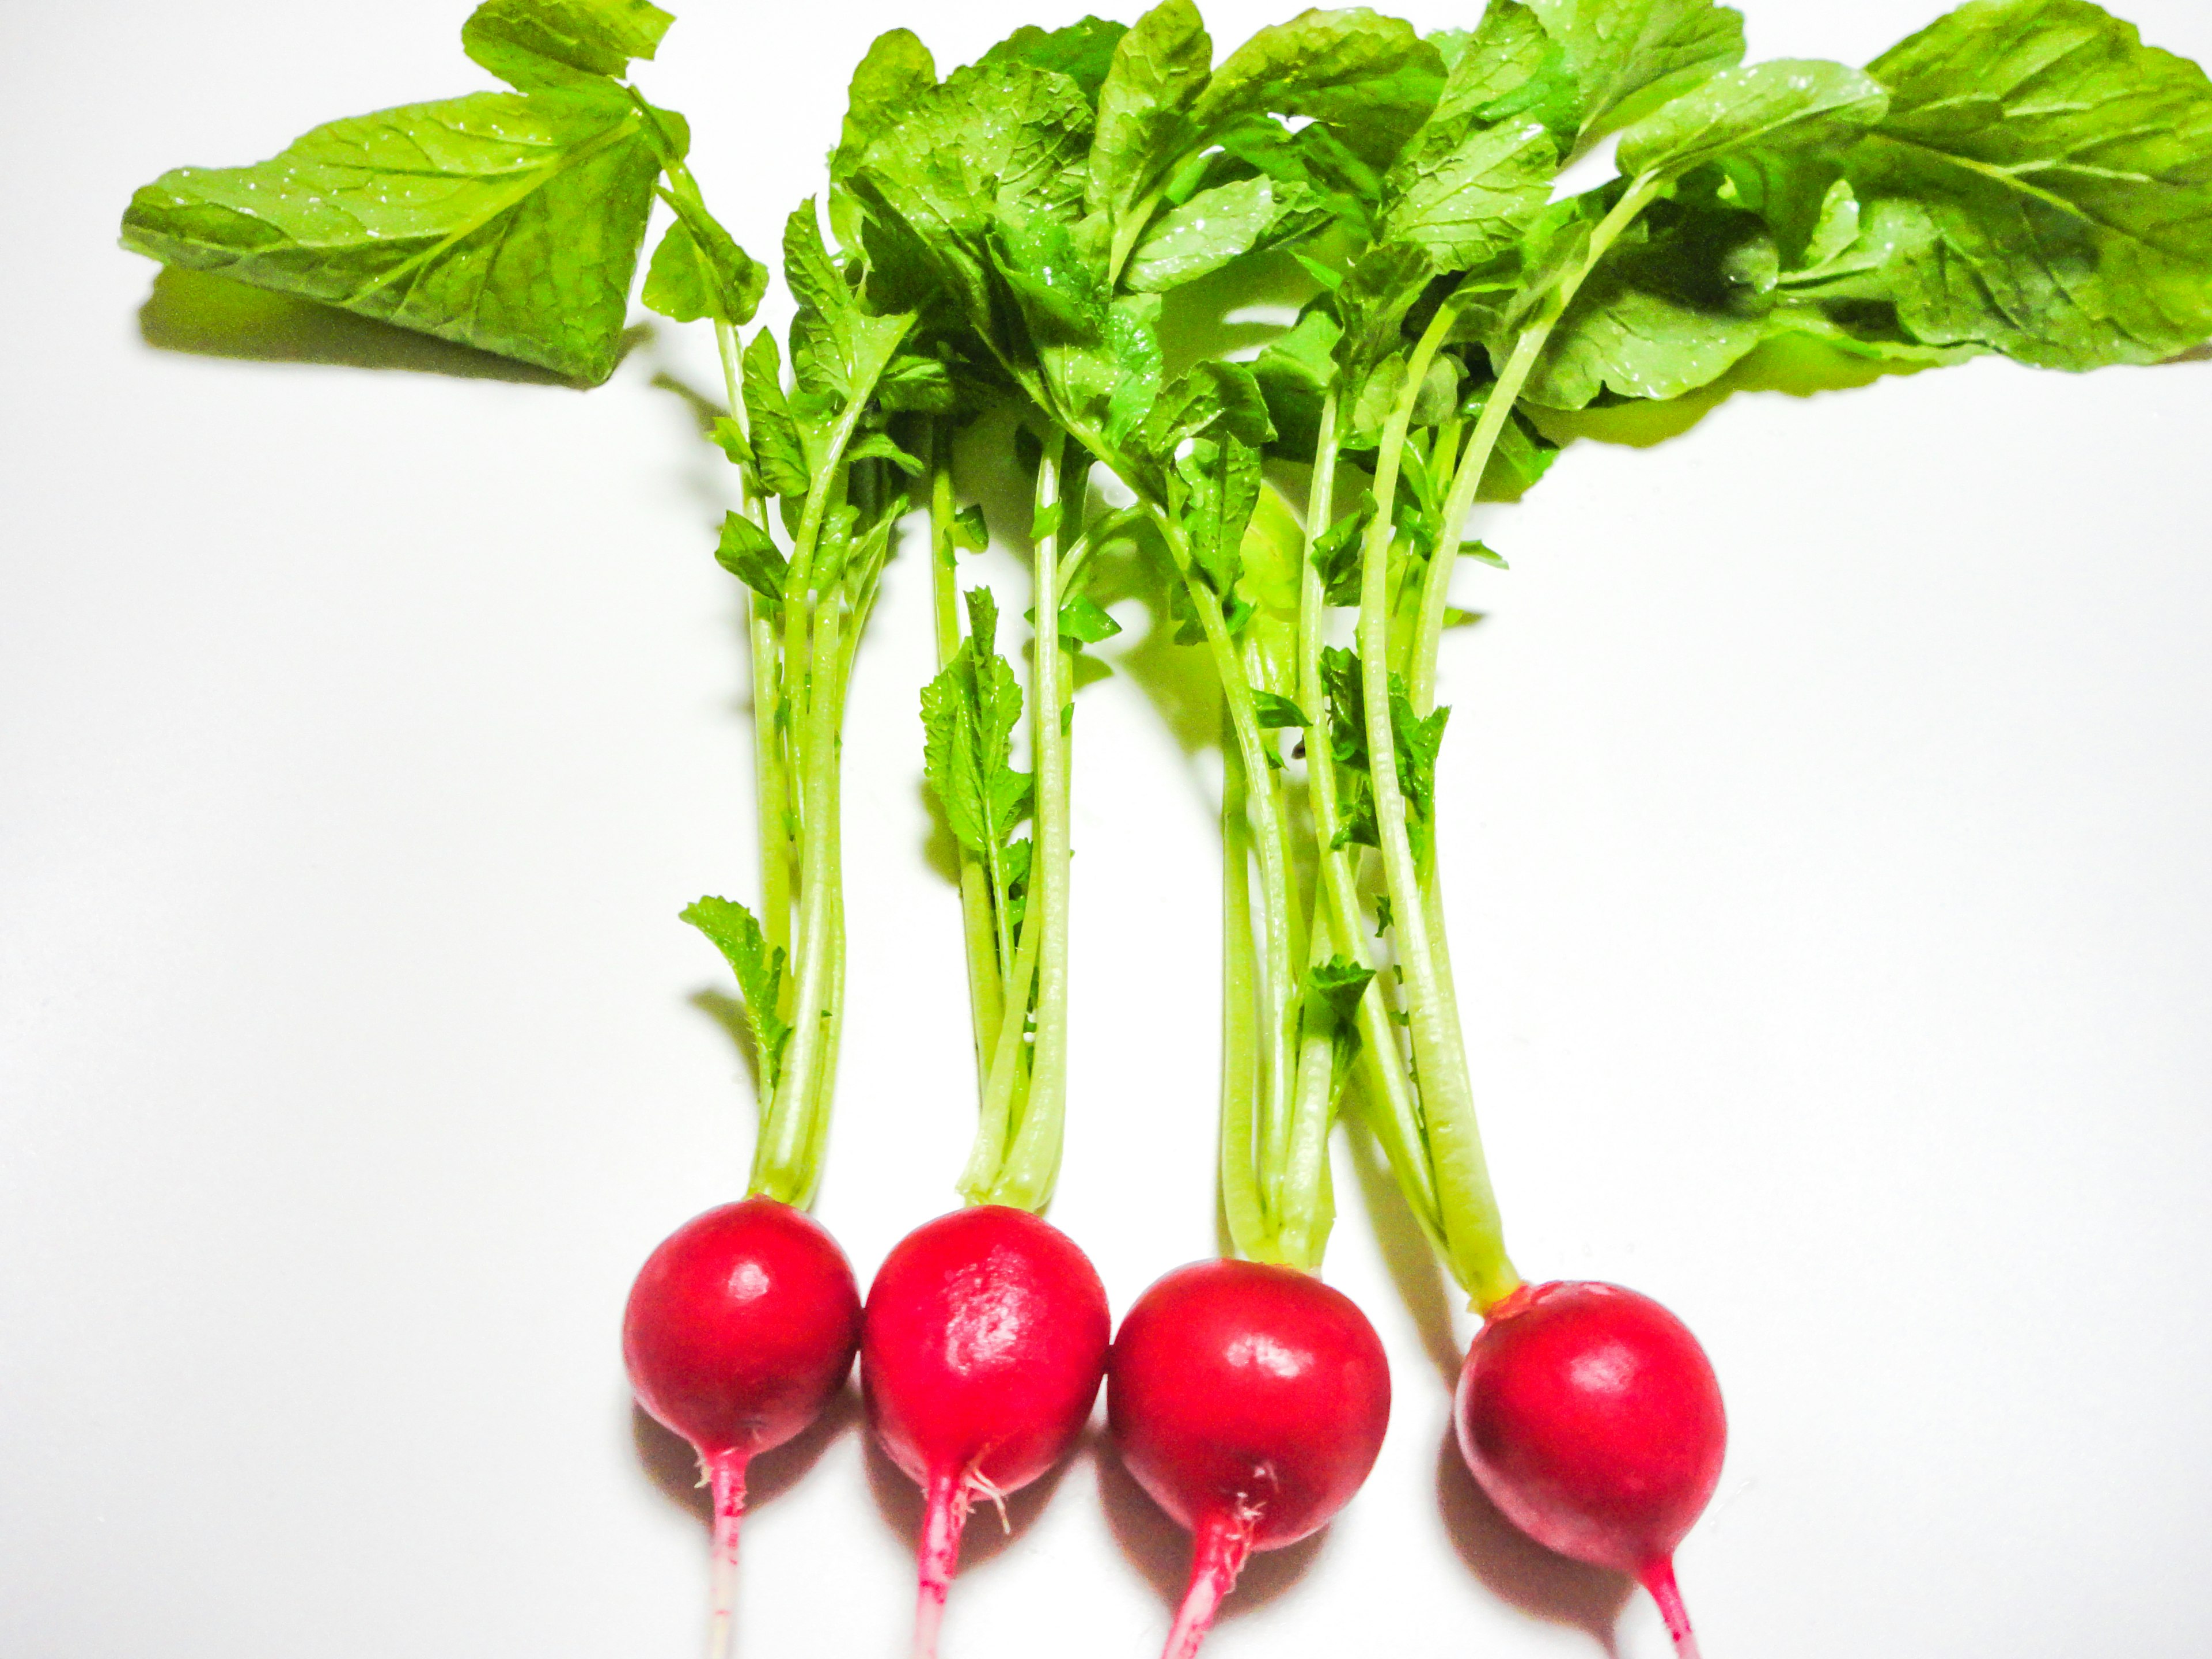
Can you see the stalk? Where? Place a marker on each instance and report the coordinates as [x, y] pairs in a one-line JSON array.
[[1473, 1231], [986, 953], [1251, 1232], [1392, 1112], [1473, 1235], [1033, 1159]]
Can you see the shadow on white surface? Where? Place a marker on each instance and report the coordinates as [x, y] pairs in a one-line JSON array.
[[1519, 1570], [1160, 1549], [668, 1460]]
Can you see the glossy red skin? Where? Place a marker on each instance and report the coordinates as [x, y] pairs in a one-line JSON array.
[[1593, 1420], [1238, 1387], [982, 1347], [741, 1326]]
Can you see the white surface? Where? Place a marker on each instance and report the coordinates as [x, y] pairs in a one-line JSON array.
[[1829, 799]]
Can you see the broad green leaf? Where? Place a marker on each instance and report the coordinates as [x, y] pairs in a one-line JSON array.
[[1337, 985], [698, 271], [996, 137], [1214, 397], [504, 222], [1666, 313], [970, 530], [1371, 78], [881, 446], [1372, 302], [1336, 553], [1278, 713], [1789, 103], [1629, 57], [896, 70], [1083, 51], [1159, 68], [1062, 296], [969, 715], [747, 553], [730, 927], [534, 45], [1503, 55], [1468, 205], [1213, 228], [2046, 180], [1222, 476]]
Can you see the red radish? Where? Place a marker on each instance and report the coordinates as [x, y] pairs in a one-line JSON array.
[[1593, 1420], [739, 1329], [1250, 1401], [981, 1352]]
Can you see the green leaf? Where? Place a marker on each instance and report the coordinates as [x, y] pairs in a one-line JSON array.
[[917, 385], [896, 70], [1674, 307], [534, 45], [1294, 374], [968, 713], [1336, 553], [1371, 78], [1337, 985], [1790, 104], [778, 451], [1506, 52], [2046, 180], [1082, 52], [508, 224], [1629, 57], [731, 438], [1084, 621], [996, 137], [1221, 475], [880, 447], [747, 553], [1213, 397], [1469, 204], [732, 930], [1159, 68], [1044, 523], [1278, 713], [699, 271], [1213, 228], [970, 531]]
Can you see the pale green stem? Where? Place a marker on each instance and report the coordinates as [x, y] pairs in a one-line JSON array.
[[1032, 1165], [1472, 1233], [1243, 1204], [986, 958]]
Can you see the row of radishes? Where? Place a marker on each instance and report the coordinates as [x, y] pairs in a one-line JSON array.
[[1248, 1400]]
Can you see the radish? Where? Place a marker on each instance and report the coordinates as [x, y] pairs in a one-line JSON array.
[[740, 1328], [1250, 1401], [985, 1336], [1593, 1420], [982, 1348]]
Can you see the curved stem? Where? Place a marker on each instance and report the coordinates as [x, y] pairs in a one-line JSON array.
[[944, 1517], [726, 1477], [1223, 1546], [1659, 1579]]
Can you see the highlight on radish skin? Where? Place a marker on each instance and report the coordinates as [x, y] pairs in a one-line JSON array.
[[982, 1347], [740, 1328], [1250, 1401], [1592, 1418]]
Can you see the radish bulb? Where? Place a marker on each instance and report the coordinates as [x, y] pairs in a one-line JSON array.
[[1593, 1419], [740, 1328], [982, 1350], [1250, 1401]]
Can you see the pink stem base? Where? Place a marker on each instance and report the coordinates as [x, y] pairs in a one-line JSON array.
[[725, 1478], [1223, 1546], [1659, 1579], [946, 1517]]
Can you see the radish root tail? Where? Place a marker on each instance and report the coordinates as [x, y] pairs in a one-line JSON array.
[[945, 1517], [1223, 1546], [1659, 1579], [725, 1476]]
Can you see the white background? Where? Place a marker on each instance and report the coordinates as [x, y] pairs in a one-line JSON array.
[[1828, 807]]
